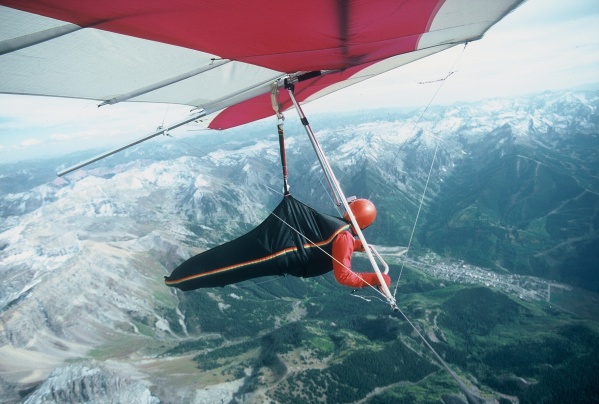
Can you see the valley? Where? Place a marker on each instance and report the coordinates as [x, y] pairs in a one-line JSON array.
[[524, 287]]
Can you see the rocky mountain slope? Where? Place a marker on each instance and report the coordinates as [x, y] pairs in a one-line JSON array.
[[524, 197]]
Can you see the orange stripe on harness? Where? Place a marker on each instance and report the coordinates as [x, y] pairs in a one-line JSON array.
[[258, 260]]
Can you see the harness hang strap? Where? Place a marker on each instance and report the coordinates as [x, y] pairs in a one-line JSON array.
[[281, 118]]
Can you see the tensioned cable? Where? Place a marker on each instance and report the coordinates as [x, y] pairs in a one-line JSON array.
[[321, 249], [466, 391], [165, 114], [319, 178], [441, 82], [464, 388], [416, 220], [204, 154]]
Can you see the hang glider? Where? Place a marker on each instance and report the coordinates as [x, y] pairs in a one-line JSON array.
[[222, 56], [225, 58]]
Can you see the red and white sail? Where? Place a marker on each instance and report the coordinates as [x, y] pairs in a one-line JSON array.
[[222, 54]]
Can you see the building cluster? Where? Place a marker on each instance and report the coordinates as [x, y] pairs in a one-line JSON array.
[[525, 287]]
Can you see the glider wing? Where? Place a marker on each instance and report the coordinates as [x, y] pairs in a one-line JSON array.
[[215, 54]]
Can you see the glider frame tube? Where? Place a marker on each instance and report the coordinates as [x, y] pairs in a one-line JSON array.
[[207, 109], [164, 83], [380, 258], [328, 171], [157, 132], [25, 41]]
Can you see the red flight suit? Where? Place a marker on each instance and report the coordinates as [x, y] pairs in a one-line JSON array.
[[343, 248]]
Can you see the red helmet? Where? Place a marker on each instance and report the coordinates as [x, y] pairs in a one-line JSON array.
[[364, 212]]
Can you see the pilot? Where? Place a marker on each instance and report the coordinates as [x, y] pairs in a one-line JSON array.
[[345, 244]]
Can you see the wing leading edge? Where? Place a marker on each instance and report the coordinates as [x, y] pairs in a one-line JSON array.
[[204, 55]]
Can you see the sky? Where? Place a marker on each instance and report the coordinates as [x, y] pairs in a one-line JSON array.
[[542, 45]]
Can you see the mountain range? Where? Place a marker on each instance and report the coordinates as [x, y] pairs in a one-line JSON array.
[[508, 185]]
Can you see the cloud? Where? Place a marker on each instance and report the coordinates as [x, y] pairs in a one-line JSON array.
[[29, 121], [542, 45], [55, 113], [30, 142], [60, 137]]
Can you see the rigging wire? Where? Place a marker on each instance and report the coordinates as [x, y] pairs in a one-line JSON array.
[[287, 224], [438, 141], [281, 219], [470, 397], [204, 154], [165, 114], [435, 81], [321, 249], [281, 119], [405, 257], [461, 384], [319, 178]]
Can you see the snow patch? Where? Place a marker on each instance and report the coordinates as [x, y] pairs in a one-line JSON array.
[[201, 181], [219, 393], [162, 325]]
